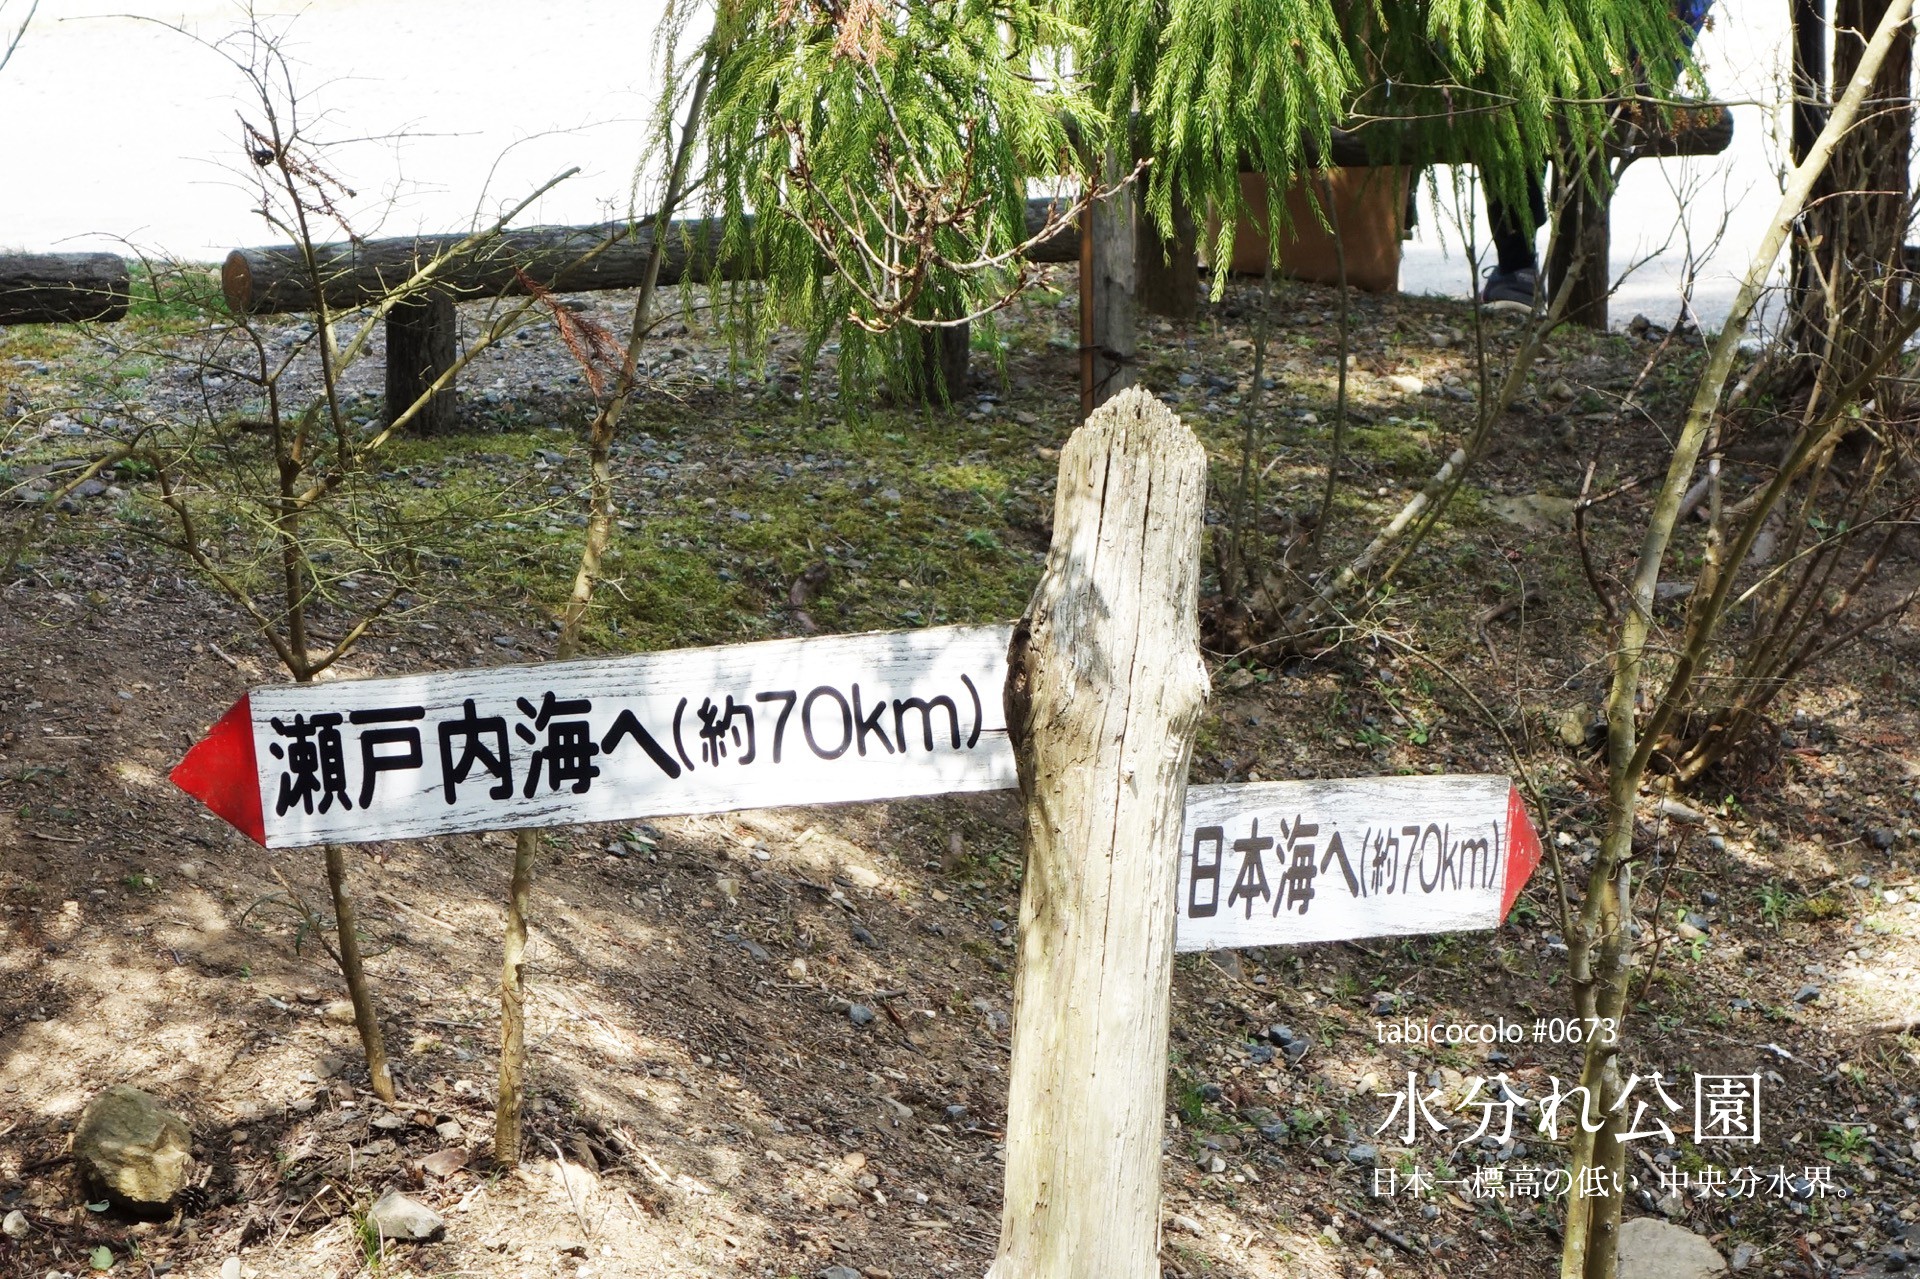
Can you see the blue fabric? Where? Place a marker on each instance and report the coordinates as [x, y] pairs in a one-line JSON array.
[[1692, 12]]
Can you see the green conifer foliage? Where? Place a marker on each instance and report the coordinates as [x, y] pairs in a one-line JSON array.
[[872, 161], [873, 157]]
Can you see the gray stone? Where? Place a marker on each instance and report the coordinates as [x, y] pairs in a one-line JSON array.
[[1362, 1154], [132, 1150], [1806, 994], [1654, 1249], [860, 1014], [15, 1226], [397, 1217], [1743, 1256], [839, 1272]]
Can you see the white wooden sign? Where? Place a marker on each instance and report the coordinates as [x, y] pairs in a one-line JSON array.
[[823, 721], [1281, 863], [809, 721]]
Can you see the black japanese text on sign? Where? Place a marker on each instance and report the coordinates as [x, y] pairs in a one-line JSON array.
[[814, 721], [1281, 863]]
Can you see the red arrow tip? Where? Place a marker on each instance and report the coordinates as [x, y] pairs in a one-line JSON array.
[[1523, 850], [220, 772]]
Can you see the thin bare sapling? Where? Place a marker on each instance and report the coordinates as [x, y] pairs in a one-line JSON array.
[[601, 523], [1599, 937], [273, 490]]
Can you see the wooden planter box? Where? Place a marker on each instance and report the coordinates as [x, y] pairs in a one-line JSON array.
[[1369, 206]]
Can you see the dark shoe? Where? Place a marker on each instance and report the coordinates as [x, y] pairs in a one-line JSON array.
[[1509, 291]]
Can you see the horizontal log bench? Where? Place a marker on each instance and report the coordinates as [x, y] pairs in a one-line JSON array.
[[563, 259], [63, 288], [421, 329]]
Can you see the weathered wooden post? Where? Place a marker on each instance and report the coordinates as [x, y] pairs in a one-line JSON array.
[[1166, 271], [1583, 241], [1105, 688], [1106, 290], [421, 338]]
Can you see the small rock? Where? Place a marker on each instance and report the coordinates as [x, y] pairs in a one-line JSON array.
[[860, 1014], [397, 1217], [1806, 994], [864, 937], [444, 1163], [1185, 1224], [1362, 1154], [1679, 812], [1280, 1036], [797, 969], [230, 1268], [449, 1131], [1573, 727], [1654, 1249], [339, 1012], [1406, 383], [1881, 838], [1862, 881], [1560, 389], [1698, 921], [577, 1183], [15, 1226], [1743, 1256], [132, 1149], [839, 1272]]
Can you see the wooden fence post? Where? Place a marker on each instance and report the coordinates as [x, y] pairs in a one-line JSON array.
[[421, 333], [1584, 235], [1106, 290], [1166, 271], [1105, 688]]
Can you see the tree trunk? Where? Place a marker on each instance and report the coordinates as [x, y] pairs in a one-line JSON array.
[[1106, 292], [365, 1018], [1858, 218], [62, 288], [1582, 242], [1104, 692], [944, 362], [421, 334], [1167, 271], [513, 1021]]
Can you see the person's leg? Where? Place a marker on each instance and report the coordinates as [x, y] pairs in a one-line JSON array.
[[1510, 285]]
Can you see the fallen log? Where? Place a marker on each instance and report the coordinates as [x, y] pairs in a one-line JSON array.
[[62, 288], [562, 259], [1640, 133]]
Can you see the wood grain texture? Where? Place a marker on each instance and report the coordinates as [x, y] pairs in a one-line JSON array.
[[1105, 689]]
